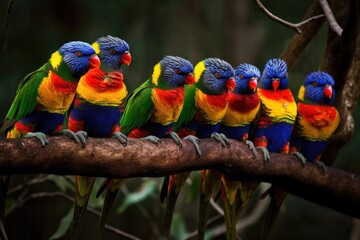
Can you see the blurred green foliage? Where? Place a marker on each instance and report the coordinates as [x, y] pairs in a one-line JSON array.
[[236, 31]]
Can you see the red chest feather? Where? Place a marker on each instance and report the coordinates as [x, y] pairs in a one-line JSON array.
[[243, 102], [101, 81], [218, 101], [61, 85], [171, 97], [279, 94], [317, 115]]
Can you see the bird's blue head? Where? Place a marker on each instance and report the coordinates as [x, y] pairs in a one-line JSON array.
[[275, 75], [214, 76], [78, 57], [173, 72], [246, 77], [113, 52], [318, 88]]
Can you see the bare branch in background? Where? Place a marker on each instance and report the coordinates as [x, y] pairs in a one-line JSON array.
[[295, 26], [38, 195], [299, 42], [330, 17], [6, 32]]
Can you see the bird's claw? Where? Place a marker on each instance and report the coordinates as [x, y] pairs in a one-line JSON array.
[[176, 139], [300, 157], [195, 141], [121, 137], [82, 135], [39, 135], [71, 135], [155, 140], [321, 165], [221, 138], [251, 146], [266, 153]]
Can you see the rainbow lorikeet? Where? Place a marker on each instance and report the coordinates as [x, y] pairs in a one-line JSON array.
[[244, 105], [317, 119], [205, 106], [96, 111], [277, 115], [153, 108], [44, 96]]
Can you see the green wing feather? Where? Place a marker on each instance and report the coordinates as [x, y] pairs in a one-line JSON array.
[[25, 99], [189, 109], [138, 108]]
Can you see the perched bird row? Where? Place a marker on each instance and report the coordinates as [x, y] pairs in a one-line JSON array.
[[82, 85]]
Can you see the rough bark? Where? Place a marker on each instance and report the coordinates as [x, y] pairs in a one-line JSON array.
[[141, 158], [341, 60]]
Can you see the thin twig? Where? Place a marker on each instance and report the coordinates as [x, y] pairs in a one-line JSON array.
[[295, 26], [6, 32], [37, 180], [194, 233], [330, 17], [21, 202], [216, 207], [145, 213]]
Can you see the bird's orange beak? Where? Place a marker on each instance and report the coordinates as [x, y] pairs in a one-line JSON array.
[[328, 91], [275, 82], [189, 79], [230, 84], [252, 85], [126, 58], [94, 61]]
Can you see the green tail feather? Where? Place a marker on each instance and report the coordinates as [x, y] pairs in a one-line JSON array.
[[230, 219], [169, 211], [78, 218], [108, 202], [277, 197], [203, 213], [83, 188], [164, 189]]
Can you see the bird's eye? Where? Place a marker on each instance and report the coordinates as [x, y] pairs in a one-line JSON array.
[[78, 53], [241, 76], [314, 84], [112, 51], [217, 75], [177, 71]]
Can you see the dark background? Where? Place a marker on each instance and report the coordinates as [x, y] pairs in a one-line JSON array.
[[236, 31]]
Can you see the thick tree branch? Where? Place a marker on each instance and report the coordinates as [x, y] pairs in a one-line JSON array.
[[341, 59], [141, 158], [295, 26]]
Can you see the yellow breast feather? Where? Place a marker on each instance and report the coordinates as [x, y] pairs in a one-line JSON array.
[[238, 119], [51, 99], [167, 111], [102, 98], [280, 108], [211, 113]]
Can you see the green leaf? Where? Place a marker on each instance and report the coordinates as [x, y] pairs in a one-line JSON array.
[[95, 202], [178, 228], [64, 225], [194, 188], [146, 189], [61, 182]]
